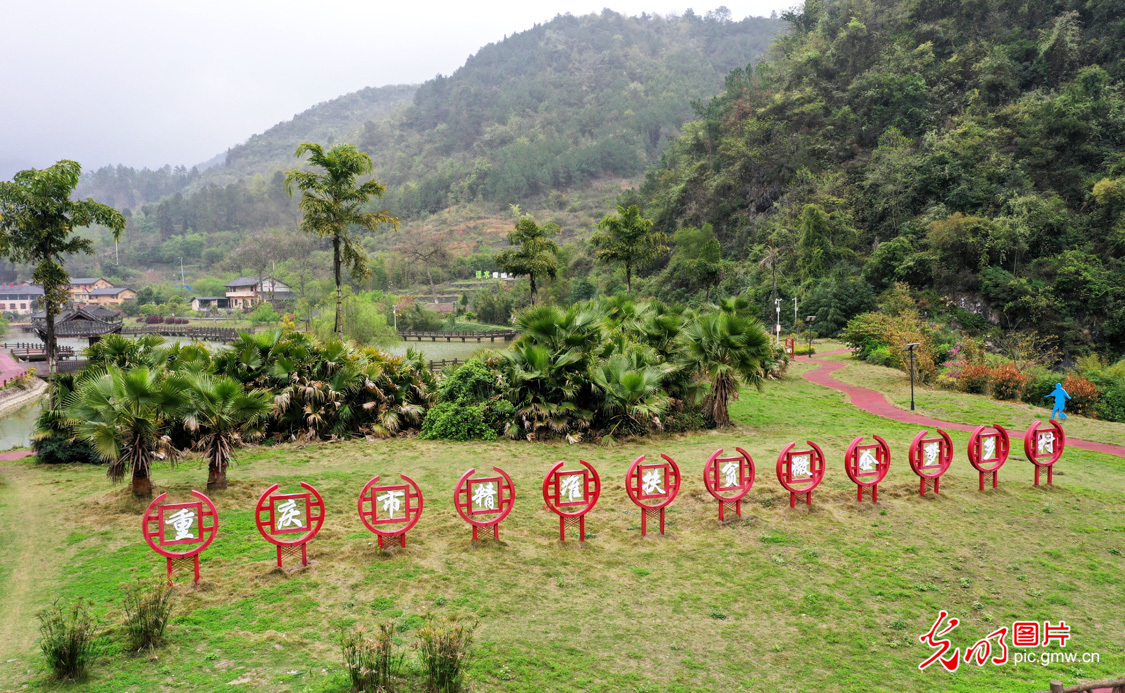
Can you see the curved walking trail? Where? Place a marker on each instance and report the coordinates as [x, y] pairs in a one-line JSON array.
[[875, 403]]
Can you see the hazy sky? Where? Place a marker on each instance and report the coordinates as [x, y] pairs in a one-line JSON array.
[[151, 82]]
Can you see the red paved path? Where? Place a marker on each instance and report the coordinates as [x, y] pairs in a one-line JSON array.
[[874, 402]]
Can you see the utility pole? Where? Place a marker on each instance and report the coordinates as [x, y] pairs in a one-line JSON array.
[[809, 320], [794, 313]]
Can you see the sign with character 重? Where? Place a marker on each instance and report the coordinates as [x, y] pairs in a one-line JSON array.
[[179, 531]]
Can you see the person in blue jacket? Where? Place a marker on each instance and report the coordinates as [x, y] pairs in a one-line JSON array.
[[1061, 396]]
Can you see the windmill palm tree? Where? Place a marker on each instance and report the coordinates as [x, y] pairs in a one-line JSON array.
[[332, 202], [770, 259], [124, 414], [220, 411], [725, 348]]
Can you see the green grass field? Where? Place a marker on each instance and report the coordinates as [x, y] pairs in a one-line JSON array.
[[831, 597]]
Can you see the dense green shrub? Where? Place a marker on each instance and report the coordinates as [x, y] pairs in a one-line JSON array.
[[1040, 383], [452, 421], [1111, 404]]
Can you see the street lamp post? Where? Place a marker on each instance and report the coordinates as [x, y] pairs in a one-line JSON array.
[[809, 320], [777, 305], [910, 348]]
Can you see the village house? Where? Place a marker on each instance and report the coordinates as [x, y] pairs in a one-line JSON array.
[[21, 299], [202, 304], [246, 292], [80, 287], [113, 296]]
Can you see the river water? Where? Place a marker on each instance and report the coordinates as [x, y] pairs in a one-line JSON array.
[[16, 428]]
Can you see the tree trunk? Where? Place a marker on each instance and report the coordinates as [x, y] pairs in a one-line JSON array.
[[532, 278], [339, 328], [51, 345], [430, 277], [216, 478], [142, 484], [628, 279]]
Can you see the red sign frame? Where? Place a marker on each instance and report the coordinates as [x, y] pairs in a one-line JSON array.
[[205, 533], [634, 486], [1030, 448], [931, 472], [1001, 450], [784, 471], [746, 473], [265, 517], [411, 510], [505, 497], [867, 479], [572, 510]]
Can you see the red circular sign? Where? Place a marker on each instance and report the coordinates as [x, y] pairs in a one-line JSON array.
[[484, 501], [729, 479], [931, 457], [1044, 447], [800, 471], [389, 510], [289, 519], [191, 524], [867, 465], [988, 448], [653, 486], [574, 492]]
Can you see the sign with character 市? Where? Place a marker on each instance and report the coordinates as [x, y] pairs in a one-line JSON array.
[[988, 451], [867, 465], [390, 510], [484, 501], [290, 520], [800, 471], [1044, 447], [652, 487], [729, 479], [180, 530], [930, 458], [571, 493]]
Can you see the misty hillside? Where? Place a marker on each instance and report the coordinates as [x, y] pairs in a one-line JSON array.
[[336, 120]]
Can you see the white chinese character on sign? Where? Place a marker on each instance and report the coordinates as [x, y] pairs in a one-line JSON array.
[[1047, 443], [181, 521], [569, 486], [484, 496], [651, 481], [867, 461], [799, 466], [988, 448], [931, 451], [290, 514], [730, 471], [392, 502]]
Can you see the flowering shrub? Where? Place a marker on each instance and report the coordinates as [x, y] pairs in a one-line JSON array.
[[1083, 395], [1008, 382], [154, 320], [974, 378]]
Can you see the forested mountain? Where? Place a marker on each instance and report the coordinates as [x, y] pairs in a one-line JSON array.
[[578, 107], [971, 149]]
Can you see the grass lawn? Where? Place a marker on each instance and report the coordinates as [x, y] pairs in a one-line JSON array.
[[831, 597]]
